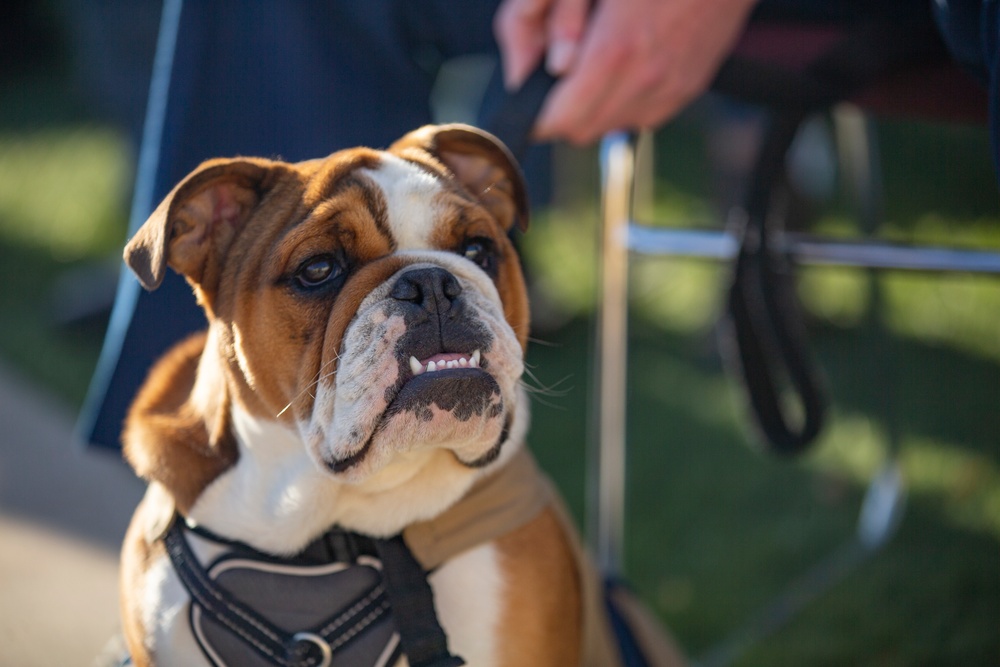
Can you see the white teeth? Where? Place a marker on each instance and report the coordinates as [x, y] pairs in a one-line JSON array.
[[416, 366], [462, 362]]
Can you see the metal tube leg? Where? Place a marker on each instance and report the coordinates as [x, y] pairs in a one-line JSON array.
[[607, 509]]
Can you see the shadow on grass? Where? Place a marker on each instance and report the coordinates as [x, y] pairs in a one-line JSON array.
[[936, 392], [715, 529]]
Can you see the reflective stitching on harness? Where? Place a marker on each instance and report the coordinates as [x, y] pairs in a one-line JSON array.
[[362, 624], [239, 612], [247, 638], [347, 615], [203, 586]]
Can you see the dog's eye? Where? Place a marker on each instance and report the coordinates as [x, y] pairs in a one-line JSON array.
[[318, 270], [482, 252]]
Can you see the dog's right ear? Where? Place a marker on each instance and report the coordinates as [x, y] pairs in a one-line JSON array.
[[194, 225]]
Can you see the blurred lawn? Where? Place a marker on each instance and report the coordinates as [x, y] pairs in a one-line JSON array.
[[714, 529]]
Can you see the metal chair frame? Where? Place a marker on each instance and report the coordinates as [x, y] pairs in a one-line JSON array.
[[622, 235]]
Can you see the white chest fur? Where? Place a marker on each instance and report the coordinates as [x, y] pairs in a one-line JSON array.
[[276, 498]]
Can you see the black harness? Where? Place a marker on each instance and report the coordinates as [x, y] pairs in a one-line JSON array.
[[345, 599]]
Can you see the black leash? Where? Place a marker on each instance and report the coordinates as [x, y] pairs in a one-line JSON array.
[[513, 119], [767, 330], [768, 336]]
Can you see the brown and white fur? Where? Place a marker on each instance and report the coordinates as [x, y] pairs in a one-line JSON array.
[[329, 286]]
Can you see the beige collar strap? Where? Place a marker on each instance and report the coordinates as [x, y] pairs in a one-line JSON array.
[[497, 504]]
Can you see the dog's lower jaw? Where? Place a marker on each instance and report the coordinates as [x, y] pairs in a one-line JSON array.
[[277, 498]]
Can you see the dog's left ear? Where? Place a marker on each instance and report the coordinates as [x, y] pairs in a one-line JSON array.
[[480, 162]]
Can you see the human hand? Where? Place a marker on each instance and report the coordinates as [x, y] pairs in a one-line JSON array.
[[623, 63]]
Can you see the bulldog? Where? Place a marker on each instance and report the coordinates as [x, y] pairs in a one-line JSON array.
[[336, 467]]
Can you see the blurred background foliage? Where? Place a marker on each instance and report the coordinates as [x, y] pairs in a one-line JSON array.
[[715, 528]]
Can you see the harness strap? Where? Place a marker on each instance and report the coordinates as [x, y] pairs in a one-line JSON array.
[[258, 632], [496, 505], [424, 641]]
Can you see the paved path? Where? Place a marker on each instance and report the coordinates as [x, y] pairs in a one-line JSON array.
[[63, 512]]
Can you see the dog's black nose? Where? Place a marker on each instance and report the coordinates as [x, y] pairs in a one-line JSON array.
[[433, 289]]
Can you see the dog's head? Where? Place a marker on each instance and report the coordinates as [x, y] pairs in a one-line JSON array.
[[372, 300]]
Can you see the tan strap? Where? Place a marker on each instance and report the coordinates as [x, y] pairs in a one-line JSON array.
[[502, 503], [498, 504]]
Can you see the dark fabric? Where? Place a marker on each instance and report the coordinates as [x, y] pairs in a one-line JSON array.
[[514, 115], [347, 609], [628, 646], [265, 640], [971, 30]]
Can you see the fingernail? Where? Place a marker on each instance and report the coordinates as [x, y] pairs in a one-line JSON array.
[[514, 77], [560, 57]]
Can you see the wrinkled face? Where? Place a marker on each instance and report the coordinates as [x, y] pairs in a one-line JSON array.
[[376, 304]]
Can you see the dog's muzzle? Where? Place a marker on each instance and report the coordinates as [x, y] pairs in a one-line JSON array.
[[429, 361]]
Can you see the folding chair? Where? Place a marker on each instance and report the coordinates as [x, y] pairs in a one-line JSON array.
[[904, 70]]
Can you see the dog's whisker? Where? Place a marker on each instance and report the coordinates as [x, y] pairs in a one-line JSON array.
[[538, 396], [546, 343], [540, 389], [307, 389]]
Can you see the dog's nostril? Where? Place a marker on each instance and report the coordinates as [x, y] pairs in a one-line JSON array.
[[404, 290], [432, 288], [451, 287]]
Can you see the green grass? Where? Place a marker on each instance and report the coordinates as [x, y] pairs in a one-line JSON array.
[[64, 189], [715, 529]]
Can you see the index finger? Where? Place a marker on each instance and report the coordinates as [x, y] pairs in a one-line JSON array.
[[519, 27]]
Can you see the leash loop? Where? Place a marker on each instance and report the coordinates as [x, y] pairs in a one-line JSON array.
[[768, 335]]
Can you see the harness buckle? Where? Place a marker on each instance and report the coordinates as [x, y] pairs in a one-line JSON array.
[[307, 638]]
